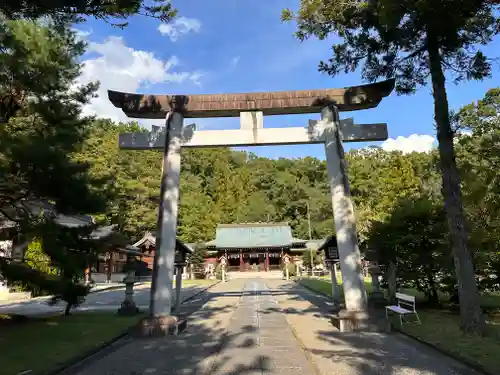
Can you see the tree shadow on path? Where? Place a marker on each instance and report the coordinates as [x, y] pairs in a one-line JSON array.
[[198, 350], [368, 352]]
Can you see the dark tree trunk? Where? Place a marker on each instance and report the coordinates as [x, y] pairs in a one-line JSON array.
[[67, 310], [110, 264], [432, 293], [391, 281], [472, 319]]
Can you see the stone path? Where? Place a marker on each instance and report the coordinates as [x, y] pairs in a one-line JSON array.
[[262, 342], [266, 327], [7, 298], [193, 352], [239, 329], [104, 300], [366, 353]]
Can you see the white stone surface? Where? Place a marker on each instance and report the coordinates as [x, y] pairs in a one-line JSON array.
[[252, 133], [343, 213], [162, 290], [251, 120], [258, 136]]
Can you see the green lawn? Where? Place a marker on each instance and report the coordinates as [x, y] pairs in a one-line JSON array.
[[324, 285], [39, 345], [441, 328]]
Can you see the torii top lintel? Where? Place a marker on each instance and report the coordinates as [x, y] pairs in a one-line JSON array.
[[270, 103]]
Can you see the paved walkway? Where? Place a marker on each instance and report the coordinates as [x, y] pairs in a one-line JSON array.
[[363, 353], [18, 297], [266, 327], [103, 300]]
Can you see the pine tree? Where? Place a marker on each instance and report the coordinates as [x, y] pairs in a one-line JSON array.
[[43, 126], [414, 42], [197, 259], [78, 10]]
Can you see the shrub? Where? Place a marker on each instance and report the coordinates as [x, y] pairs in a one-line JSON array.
[[197, 259], [218, 272], [292, 270]]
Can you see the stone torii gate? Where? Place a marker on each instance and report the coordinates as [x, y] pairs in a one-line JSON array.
[[251, 107]]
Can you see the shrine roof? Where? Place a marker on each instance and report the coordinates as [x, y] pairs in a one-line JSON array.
[[351, 98], [149, 237], [253, 235], [12, 212]]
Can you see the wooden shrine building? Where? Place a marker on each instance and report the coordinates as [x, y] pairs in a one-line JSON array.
[[147, 246], [255, 246]]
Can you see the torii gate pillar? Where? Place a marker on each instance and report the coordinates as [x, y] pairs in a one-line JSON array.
[[164, 261], [343, 213]]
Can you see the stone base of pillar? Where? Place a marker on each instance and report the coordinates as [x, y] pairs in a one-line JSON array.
[[128, 309], [351, 321], [160, 326]]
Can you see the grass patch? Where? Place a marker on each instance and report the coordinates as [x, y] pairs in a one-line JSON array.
[[43, 344], [441, 329], [325, 286]]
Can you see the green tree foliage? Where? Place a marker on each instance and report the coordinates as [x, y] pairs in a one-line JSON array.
[[414, 239], [39, 138], [36, 259], [67, 251], [217, 186], [292, 269], [80, 10], [71, 250], [197, 260], [38, 67], [40, 133], [130, 178], [479, 161], [409, 41], [310, 257], [380, 178]]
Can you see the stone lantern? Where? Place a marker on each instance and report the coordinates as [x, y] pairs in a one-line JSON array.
[[128, 306], [375, 272]]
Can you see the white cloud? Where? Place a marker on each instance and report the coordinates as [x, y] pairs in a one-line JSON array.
[[83, 33], [415, 142], [179, 26], [122, 68], [235, 60]]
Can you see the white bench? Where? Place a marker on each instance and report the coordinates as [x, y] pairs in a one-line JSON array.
[[404, 308]]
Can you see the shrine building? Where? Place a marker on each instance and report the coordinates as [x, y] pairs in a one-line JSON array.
[[247, 247], [255, 246]]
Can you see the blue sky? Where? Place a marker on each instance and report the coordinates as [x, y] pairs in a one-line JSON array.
[[223, 46]]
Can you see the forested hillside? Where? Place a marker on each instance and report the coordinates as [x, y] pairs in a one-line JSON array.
[[226, 186]]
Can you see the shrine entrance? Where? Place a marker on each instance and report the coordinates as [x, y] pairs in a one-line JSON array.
[[253, 261], [251, 109]]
